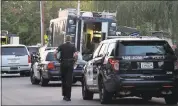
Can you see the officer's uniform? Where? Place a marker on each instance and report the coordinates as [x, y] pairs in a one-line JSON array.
[[67, 51]]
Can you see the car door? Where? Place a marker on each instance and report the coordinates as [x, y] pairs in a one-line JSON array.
[[97, 62], [89, 68]]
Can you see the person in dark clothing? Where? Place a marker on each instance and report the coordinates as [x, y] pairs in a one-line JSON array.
[[67, 60]]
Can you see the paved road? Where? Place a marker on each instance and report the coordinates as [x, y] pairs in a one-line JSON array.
[[19, 91]]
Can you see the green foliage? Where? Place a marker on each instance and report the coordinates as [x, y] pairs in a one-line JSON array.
[[23, 17]]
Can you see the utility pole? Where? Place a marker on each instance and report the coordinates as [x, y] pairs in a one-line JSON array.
[[42, 22], [78, 15]]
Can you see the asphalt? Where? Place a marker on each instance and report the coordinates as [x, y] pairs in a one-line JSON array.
[[20, 91]]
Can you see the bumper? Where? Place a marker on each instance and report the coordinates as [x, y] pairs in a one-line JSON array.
[[116, 84], [16, 69], [52, 75], [77, 75]]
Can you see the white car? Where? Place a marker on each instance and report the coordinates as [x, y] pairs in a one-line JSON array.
[[45, 69], [15, 59]]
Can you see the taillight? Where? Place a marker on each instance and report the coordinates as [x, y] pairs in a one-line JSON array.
[[50, 66], [29, 59], [114, 63]]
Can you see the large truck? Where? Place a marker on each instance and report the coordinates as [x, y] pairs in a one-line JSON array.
[[7, 38], [93, 27]]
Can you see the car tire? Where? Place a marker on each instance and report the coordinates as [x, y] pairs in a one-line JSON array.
[[86, 94], [43, 82], [33, 79], [171, 99], [105, 96]]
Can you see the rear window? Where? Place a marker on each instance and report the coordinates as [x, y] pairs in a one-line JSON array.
[[33, 49], [50, 57], [14, 50], [144, 48]]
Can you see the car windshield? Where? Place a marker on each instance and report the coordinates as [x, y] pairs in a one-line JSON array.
[[33, 49], [14, 50], [142, 48], [50, 56]]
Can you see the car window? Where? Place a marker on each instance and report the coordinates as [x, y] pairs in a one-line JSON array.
[[110, 50], [14, 50], [95, 54], [33, 49], [50, 56], [142, 48], [103, 50]]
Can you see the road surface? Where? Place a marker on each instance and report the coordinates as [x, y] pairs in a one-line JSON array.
[[19, 91]]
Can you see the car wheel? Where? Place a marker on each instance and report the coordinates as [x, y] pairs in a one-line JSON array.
[[105, 96], [43, 82], [171, 99], [33, 79], [86, 94]]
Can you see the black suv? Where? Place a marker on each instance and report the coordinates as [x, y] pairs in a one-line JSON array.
[[136, 66]]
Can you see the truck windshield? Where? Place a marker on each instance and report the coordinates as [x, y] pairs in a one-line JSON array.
[[141, 48], [3, 40]]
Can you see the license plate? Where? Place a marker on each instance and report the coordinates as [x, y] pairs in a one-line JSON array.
[[147, 65], [13, 61], [13, 68]]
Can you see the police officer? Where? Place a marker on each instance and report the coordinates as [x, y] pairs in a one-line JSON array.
[[67, 59]]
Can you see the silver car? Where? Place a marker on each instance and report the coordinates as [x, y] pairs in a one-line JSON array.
[[15, 59]]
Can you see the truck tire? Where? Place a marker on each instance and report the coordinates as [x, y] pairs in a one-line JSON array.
[[105, 96], [33, 79], [43, 82], [171, 99], [86, 94]]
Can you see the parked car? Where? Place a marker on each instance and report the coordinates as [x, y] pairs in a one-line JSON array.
[[131, 66], [47, 68], [33, 49], [15, 59], [78, 68]]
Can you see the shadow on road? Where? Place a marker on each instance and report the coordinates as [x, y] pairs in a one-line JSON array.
[[132, 101], [59, 85]]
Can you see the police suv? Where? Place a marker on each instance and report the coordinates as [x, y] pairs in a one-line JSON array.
[[131, 66]]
